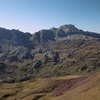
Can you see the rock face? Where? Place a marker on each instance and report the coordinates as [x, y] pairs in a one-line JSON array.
[[42, 36], [63, 32], [15, 36], [54, 52]]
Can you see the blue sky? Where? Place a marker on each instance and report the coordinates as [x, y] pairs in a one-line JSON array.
[[34, 15]]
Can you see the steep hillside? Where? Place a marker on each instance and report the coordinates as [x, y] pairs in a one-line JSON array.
[[57, 88], [87, 89], [55, 52]]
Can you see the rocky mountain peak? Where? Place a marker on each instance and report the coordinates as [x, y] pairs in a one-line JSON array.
[[67, 31], [51, 52], [67, 26]]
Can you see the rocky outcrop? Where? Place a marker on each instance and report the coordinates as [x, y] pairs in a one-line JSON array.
[[63, 32], [16, 37], [54, 52]]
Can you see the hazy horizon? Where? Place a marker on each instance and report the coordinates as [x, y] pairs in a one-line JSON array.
[[34, 15]]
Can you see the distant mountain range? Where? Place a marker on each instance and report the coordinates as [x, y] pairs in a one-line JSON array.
[[54, 52]]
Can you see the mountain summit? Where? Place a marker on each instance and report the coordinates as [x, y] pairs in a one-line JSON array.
[[63, 32], [46, 53]]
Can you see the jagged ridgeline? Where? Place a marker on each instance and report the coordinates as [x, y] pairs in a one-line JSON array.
[[55, 52]]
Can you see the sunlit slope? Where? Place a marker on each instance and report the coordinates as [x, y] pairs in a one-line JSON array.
[[56, 88], [88, 89]]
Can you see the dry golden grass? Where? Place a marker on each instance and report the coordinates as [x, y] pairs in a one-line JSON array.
[[88, 89], [45, 89]]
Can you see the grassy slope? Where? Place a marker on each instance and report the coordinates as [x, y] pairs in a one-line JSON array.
[[56, 88], [88, 89]]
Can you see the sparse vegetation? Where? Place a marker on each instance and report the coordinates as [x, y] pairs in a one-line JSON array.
[[51, 64], [56, 88]]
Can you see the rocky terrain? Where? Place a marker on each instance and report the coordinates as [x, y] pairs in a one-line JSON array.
[[55, 52]]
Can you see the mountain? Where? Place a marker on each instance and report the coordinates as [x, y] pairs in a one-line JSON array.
[[62, 33], [16, 37], [47, 53]]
